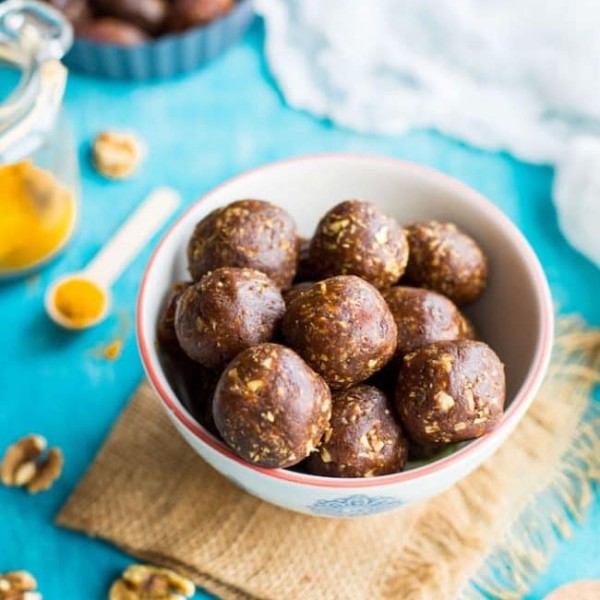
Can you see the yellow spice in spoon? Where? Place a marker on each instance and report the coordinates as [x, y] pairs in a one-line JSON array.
[[37, 215], [79, 301]]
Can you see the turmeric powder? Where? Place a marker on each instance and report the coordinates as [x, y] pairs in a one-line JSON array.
[[113, 350], [80, 301], [37, 216]]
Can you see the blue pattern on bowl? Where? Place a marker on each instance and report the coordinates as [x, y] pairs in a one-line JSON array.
[[355, 505]]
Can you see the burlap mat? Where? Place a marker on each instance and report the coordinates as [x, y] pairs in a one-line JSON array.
[[150, 494]]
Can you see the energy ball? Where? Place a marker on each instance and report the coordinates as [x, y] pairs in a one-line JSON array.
[[270, 407], [247, 233], [165, 330], [227, 311], [363, 439], [108, 30], [356, 238], [185, 14], [148, 15], [195, 386], [343, 329], [450, 392], [445, 259], [424, 317]]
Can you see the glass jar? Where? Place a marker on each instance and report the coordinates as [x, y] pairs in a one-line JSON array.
[[39, 175]]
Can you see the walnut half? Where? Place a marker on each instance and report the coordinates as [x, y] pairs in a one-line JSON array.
[[116, 155], [18, 585], [26, 464], [146, 582]]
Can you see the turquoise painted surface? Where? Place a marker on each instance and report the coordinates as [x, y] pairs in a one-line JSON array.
[[200, 130]]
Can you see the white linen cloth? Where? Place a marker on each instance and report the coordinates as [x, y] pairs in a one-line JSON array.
[[499, 74]]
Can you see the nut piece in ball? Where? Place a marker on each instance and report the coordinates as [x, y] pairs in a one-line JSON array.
[[270, 407], [356, 238], [363, 439], [226, 312], [247, 233], [424, 317], [343, 329], [450, 392], [445, 259]]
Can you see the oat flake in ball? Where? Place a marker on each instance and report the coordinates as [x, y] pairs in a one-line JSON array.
[[227, 311], [363, 438], [356, 238], [424, 317], [247, 233], [270, 407], [343, 329], [450, 392], [445, 259]]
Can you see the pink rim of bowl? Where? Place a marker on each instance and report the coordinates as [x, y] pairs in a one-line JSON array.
[[513, 414]]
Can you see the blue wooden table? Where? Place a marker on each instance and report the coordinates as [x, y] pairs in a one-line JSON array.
[[201, 130]]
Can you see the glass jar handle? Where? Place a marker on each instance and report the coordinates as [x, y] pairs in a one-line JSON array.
[[34, 36], [53, 33]]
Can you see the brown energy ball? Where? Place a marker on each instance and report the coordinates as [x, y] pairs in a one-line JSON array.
[[108, 30], [148, 15], [423, 317], [191, 13], [356, 238], [74, 10], [246, 233], [363, 439], [270, 407], [450, 392], [445, 259], [343, 328], [165, 330], [194, 386], [226, 312]]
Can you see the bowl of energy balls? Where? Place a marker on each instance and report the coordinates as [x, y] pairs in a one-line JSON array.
[[342, 335], [150, 39]]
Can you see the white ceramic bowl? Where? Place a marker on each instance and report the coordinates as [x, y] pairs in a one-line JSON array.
[[514, 316]]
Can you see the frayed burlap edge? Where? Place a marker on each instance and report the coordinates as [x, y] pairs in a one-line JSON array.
[[468, 547], [529, 543]]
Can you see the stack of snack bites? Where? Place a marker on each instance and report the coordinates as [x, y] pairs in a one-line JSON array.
[[138, 40], [130, 22], [336, 355]]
